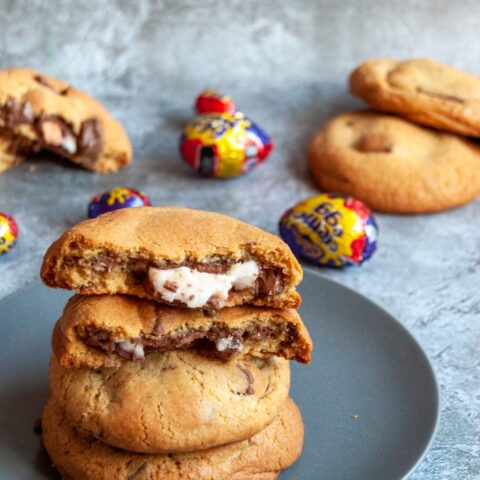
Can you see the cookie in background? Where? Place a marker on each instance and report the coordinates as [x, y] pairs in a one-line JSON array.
[[41, 112], [423, 91], [393, 165]]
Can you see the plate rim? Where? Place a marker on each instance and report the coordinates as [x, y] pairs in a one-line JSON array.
[[350, 291], [432, 370]]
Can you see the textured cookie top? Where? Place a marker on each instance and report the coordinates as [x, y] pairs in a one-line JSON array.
[[107, 330], [261, 457], [173, 401], [173, 233], [144, 251], [61, 118], [423, 91], [394, 165]]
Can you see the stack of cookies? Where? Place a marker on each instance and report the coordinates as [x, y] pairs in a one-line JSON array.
[[172, 360], [388, 158], [39, 112]]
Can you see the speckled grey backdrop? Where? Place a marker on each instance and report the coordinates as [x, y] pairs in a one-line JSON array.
[[286, 64]]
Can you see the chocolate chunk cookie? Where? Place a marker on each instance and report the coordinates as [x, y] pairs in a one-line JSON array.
[[178, 256], [173, 401], [393, 165], [424, 91], [80, 457], [108, 330], [53, 115]]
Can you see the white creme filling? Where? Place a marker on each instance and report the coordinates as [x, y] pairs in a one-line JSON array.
[[228, 343], [195, 289]]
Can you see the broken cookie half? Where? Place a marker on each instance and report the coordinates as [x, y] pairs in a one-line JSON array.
[[108, 330], [52, 115], [178, 256]]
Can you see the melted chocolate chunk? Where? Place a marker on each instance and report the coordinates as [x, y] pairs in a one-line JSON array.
[[269, 282], [291, 337], [375, 143], [216, 267], [250, 379], [21, 146], [100, 341], [218, 341], [102, 263], [213, 304], [90, 140], [139, 266], [138, 471], [171, 286], [260, 332], [212, 267], [183, 342], [14, 113], [43, 81]]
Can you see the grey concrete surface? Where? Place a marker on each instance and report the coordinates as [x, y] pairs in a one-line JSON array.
[[286, 64]]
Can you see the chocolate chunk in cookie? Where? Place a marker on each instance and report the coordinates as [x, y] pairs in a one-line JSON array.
[[90, 141], [14, 113], [108, 330]]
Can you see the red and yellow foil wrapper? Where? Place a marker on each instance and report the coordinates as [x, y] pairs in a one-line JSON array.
[[8, 233], [331, 230], [224, 145], [213, 101]]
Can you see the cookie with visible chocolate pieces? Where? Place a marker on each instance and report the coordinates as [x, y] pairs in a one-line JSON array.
[[423, 91], [174, 255], [172, 401], [108, 330], [261, 457], [393, 165], [56, 116]]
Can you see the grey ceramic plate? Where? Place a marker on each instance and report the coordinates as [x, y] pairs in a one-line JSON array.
[[369, 398]]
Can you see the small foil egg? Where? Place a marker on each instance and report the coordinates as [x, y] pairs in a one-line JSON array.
[[115, 199], [330, 229], [213, 101], [224, 145], [8, 233]]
